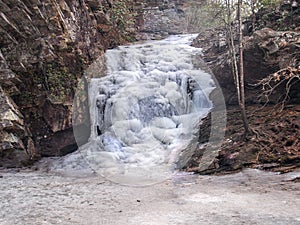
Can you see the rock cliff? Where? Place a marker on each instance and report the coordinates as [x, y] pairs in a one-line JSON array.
[[45, 47]]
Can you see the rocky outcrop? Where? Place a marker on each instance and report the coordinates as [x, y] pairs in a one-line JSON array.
[[167, 17], [265, 51], [45, 48], [162, 18], [12, 128]]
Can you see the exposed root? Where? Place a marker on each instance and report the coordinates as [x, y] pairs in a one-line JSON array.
[[288, 77]]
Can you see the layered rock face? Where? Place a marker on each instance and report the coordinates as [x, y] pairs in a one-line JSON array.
[[45, 47], [162, 18], [167, 17]]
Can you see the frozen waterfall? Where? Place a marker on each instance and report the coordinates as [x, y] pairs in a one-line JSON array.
[[146, 110]]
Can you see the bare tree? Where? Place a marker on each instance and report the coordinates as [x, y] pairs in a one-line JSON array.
[[241, 73], [252, 7], [237, 64]]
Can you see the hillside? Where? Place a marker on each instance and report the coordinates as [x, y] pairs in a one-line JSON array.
[[271, 58]]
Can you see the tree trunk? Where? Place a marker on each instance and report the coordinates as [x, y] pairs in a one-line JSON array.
[[232, 49], [241, 73], [252, 5]]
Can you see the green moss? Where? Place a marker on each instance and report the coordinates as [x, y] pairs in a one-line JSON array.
[[59, 83], [268, 3], [123, 16], [26, 98], [130, 38]]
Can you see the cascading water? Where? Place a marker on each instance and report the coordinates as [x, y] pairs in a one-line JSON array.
[[146, 110]]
